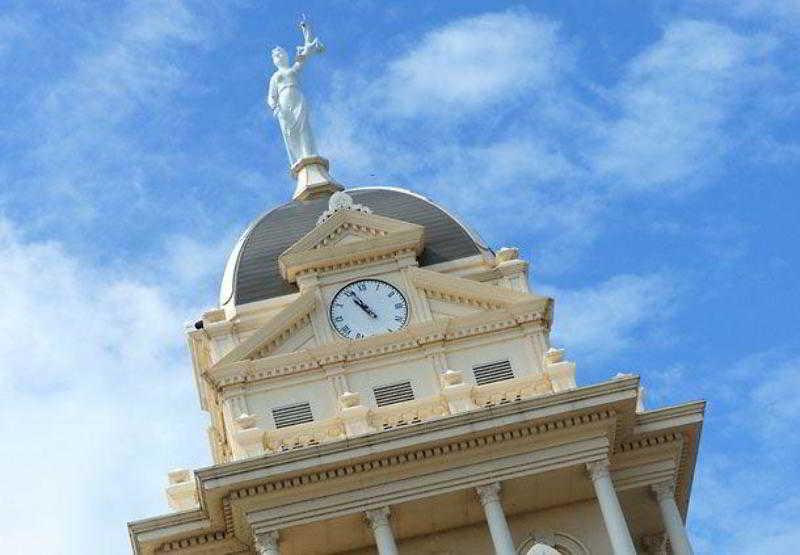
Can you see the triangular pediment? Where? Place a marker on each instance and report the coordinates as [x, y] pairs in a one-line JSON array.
[[349, 237], [289, 330], [451, 297]]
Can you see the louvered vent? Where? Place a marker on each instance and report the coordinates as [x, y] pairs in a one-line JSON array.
[[394, 393], [493, 372], [292, 415]]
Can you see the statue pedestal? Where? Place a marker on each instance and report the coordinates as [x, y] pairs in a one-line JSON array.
[[313, 178]]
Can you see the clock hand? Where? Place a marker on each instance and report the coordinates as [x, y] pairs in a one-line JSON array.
[[365, 307]]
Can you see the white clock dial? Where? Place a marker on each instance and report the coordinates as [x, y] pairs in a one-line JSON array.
[[368, 307]]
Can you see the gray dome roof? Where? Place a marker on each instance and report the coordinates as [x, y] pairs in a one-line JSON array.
[[252, 273]]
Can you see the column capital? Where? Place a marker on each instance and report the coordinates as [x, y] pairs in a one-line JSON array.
[[654, 544], [267, 542], [378, 517], [489, 493], [664, 490], [598, 469]]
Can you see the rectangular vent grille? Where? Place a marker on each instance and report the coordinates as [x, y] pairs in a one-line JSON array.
[[292, 415], [394, 393], [493, 372]]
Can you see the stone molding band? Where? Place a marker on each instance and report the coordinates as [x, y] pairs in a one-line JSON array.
[[426, 453]]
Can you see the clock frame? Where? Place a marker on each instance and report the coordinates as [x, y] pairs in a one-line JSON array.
[[367, 307]]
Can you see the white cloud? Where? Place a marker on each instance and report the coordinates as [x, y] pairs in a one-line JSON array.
[[474, 63], [746, 480], [188, 261], [94, 134], [781, 12], [488, 90], [602, 320], [675, 100], [98, 401], [128, 67], [511, 126], [765, 380]]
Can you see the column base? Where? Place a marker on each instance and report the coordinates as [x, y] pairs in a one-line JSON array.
[[313, 178]]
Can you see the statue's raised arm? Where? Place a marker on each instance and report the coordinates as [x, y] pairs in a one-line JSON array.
[[311, 44], [286, 100]]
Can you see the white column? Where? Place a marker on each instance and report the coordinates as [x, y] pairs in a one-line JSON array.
[[496, 518], [614, 519], [676, 531], [382, 529], [267, 543]]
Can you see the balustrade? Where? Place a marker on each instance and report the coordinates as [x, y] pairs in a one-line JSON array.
[[304, 435], [355, 419], [508, 391], [408, 412]]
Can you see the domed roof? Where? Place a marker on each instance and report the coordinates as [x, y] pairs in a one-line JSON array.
[[252, 272]]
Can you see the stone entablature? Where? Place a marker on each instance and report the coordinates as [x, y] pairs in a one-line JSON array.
[[529, 437]]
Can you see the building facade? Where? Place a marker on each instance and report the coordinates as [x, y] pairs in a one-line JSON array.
[[379, 380]]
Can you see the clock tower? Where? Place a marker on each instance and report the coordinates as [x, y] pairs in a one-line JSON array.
[[380, 380]]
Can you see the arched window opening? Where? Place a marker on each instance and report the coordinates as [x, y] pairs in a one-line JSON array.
[[542, 549], [551, 543]]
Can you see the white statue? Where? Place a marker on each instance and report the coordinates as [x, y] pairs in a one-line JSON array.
[[286, 100]]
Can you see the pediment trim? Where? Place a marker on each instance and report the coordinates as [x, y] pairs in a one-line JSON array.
[[528, 311], [320, 249], [466, 291], [270, 336]]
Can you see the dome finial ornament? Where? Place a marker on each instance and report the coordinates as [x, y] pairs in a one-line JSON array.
[[338, 202], [289, 106]]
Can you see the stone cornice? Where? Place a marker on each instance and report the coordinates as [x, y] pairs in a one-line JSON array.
[[176, 522], [587, 408], [200, 542], [550, 406], [379, 462], [641, 443], [688, 414]]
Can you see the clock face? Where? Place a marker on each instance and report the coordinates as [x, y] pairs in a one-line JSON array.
[[368, 307]]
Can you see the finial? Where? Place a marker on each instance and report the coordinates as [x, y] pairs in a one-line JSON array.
[[341, 201], [289, 106]]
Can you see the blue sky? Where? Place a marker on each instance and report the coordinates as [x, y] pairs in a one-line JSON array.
[[643, 155]]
